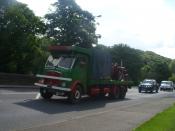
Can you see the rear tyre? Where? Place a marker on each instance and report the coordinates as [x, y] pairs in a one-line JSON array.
[[75, 97], [45, 94]]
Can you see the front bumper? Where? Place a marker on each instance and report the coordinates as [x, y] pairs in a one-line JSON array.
[[166, 88], [53, 87], [143, 88]]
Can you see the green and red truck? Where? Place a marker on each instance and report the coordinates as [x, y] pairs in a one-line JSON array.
[[72, 71]]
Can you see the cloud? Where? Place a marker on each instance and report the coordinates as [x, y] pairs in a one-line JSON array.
[[143, 24], [165, 51]]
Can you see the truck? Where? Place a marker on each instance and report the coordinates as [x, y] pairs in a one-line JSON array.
[[73, 71]]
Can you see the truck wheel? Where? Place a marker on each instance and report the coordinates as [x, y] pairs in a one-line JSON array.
[[45, 94], [122, 93], [114, 94], [75, 97]]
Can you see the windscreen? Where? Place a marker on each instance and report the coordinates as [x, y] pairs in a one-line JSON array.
[[165, 83], [147, 81], [63, 62]]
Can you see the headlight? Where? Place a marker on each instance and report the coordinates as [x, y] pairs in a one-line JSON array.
[[63, 84], [41, 81]]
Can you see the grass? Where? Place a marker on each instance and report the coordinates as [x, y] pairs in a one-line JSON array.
[[164, 121]]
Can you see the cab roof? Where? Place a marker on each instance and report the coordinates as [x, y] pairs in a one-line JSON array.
[[58, 50]]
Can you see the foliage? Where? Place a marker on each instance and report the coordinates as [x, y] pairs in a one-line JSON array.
[[172, 66], [172, 77], [70, 25], [19, 46], [140, 64], [155, 66], [6, 3], [128, 57]]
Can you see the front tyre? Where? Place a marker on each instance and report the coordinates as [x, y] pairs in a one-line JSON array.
[[75, 96], [45, 94]]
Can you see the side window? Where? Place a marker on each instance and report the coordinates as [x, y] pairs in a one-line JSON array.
[[81, 61]]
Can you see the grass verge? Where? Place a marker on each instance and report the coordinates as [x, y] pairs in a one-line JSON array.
[[164, 121]]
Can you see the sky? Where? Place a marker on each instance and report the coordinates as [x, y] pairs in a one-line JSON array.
[[148, 25]]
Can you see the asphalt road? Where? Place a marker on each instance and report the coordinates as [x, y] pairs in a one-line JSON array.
[[25, 110]]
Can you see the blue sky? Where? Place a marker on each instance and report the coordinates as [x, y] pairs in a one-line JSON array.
[[141, 24]]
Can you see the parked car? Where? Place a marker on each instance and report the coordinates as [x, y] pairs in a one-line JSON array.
[[167, 85], [148, 85]]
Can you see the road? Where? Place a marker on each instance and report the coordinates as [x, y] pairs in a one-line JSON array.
[[24, 110]]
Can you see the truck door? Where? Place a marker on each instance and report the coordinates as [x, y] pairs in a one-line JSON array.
[[80, 71]]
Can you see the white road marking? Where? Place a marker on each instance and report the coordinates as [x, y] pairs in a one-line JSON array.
[[38, 96]]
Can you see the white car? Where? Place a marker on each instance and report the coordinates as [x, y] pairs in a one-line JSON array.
[[167, 85]]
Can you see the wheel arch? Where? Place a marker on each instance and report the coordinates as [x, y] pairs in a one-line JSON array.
[[74, 85]]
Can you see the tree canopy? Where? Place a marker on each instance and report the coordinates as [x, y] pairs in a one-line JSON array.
[[19, 43], [155, 66], [128, 57], [70, 25]]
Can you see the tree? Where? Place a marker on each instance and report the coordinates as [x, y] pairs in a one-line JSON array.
[[172, 66], [155, 67], [172, 78], [70, 25], [130, 58], [6, 3], [162, 71], [19, 46]]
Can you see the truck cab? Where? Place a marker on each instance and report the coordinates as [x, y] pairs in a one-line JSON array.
[[66, 71]]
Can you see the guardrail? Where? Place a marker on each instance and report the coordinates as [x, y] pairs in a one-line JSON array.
[[17, 79]]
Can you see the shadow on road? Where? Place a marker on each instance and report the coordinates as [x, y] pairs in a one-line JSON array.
[[55, 106]]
